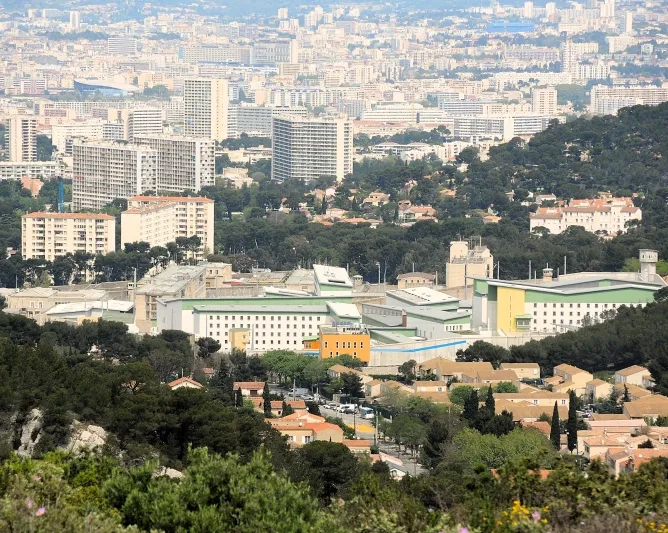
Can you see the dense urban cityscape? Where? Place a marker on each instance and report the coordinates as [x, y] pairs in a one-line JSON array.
[[378, 267]]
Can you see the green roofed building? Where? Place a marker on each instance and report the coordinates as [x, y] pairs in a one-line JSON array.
[[555, 305]]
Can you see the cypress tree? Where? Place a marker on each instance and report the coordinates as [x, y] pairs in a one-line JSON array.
[[572, 423], [470, 412], [555, 433], [239, 398], [266, 400], [286, 409], [489, 402]]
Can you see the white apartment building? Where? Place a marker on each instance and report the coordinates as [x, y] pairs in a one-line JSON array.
[[647, 95], [602, 215], [182, 163], [60, 133], [505, 128], [22, 138], [50, 235], [611, 105], [103, 171], [206, 108], [121, 45], [138, 121], [75, 20], [159, 220], [307, 148], [36, 169], [404, 113], [544, 101], [270, 328], [256, 120]]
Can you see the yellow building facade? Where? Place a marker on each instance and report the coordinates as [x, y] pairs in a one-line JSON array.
[[335, 341]]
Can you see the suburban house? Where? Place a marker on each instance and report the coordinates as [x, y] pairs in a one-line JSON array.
[[358, 445], [597, 447], [277, 405], [412, 213], [249, 388], [492, 378], [524, 412], [542, 398], [446, 369], [335, 372], [630, 460], [302, 428], [415, 279], [390, 386], [572, 377], [597, 389], [434, 397], [635, 392], [523, 370], [649, 407], [185, 383], [430, 386], [648, 382], [372, 388], [376, 199], [632, 375]]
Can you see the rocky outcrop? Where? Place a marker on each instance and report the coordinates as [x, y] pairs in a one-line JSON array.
[[30, 433], [168, 472], [85, 437]]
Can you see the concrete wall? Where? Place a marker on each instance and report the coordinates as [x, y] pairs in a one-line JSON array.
[[397, 354]]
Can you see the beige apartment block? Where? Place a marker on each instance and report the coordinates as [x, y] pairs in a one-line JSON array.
[[466, 263], [159, 220], [50, 235], [35, 302], [206, 107], [22, 138], [544, 101], [173, 282]]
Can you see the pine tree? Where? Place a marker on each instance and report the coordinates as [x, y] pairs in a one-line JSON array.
[[572, 423], [489, 402], [266, 401], [626, 397], [470, 412], [555, 433], [286, 409]]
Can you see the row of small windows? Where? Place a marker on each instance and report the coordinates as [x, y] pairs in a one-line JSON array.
[[343, 344], [604, 306], [264, 318], [271, 326]]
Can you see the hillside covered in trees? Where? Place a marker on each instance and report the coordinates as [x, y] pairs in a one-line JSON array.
[[625, 155], [236, 473]]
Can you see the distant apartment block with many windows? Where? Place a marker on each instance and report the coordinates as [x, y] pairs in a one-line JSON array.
[[159, 220], [50, 235], [182, 163], [103, 171], [608, 216], [308, 148]]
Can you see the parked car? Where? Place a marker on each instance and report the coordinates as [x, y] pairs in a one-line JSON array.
[[331, 405]]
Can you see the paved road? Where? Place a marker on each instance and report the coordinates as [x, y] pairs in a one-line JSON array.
[[366, 431]]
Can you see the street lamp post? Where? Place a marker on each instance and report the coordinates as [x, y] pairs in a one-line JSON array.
[[378, 265]]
